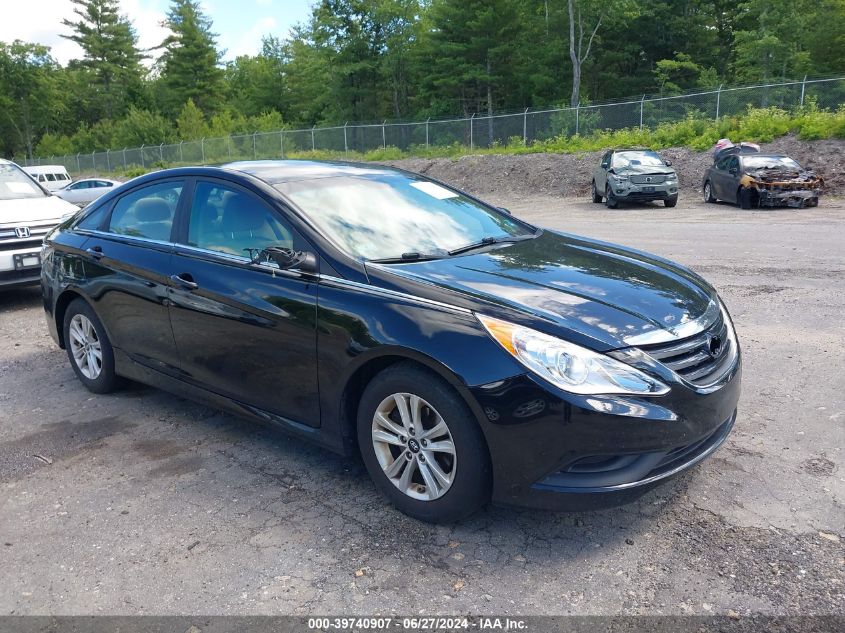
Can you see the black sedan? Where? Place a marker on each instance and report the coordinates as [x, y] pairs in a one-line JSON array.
[[468, 355]]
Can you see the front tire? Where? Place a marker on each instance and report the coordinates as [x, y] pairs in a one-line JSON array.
[[88, 348], [597, 197], [744, 197], [670, 202], [422, 446], [708, 192], [610, 200]]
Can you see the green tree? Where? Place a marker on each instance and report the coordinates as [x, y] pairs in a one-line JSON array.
[[190, 63], [31, 102], [191, 125], [110, 49]]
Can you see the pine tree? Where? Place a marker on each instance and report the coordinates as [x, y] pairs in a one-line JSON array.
[[110, 48], [190, 63]]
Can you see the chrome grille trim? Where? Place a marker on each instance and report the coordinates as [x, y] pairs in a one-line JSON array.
[[656, 179], [692, 360]]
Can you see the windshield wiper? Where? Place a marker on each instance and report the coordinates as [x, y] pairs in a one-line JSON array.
[[412, 256], [487, 241]]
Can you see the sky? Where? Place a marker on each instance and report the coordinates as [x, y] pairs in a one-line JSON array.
[[240, 24]]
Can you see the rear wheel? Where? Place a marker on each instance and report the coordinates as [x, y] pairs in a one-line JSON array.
[[610, 200], [88, 348], [422, 446], [597, 197], [708, 192]]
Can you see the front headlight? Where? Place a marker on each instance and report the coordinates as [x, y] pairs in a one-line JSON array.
[[571, 367], [619, 177]]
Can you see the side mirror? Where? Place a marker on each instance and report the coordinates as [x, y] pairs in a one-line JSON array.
[[668, 163], [289, 259], [504, 210], [733, 171]]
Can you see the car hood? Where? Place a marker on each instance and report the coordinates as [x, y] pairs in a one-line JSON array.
[[606, 295], [645, 170], [25, 211]]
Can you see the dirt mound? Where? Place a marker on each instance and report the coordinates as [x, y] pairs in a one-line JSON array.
[[570, 174]]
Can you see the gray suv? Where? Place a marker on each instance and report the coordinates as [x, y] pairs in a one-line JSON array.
[[634, 175]]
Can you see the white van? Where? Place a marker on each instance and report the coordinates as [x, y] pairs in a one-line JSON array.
[[27, 213], [51, 177]]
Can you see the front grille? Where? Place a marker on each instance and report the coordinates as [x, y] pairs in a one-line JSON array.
[[701, 359], [9, 240], [648, 180]]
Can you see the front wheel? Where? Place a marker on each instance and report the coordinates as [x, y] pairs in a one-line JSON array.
[[422, 446], [610, 200], [88, 348], [597, 197], [708, 192], [670, 202], [745, 198]]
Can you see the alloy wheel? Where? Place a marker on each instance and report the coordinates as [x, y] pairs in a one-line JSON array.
[[707, 197], [85, 346], [414, 446]]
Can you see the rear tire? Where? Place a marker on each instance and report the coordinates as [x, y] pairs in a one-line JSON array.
[[597, 197], [670, 202], [397, 443], [610, 200], [89, 349], [708, 192]]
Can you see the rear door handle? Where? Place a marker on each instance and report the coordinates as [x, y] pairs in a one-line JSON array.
[[185, 280], [95, 251]]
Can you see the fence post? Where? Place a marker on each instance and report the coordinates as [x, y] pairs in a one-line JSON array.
[[254, 151], [108, 161], [718, 100], [181, 155], [471, 139], [803, 85], [282, 142], [642, 103], [525, 127], [313, 147], [577, 118], [161, 153], [229, 147], [383, 136], [143, 166], [426, 131], [345, 143], [124, 159], [93, 161], [78, 168], [202, 149]]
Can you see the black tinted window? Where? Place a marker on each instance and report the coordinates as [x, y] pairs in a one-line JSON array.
[[228, 220], [147, 212]]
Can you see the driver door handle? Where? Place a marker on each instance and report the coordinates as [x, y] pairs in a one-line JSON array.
[[185, 280]]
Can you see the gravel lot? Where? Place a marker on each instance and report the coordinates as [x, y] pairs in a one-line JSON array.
[[141, 502]]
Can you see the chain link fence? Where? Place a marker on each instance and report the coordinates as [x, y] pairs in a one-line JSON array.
[[477, 131]]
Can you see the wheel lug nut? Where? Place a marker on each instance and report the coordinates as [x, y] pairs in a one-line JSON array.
[[402, 439], [424, 442], [412, 431], [422, 458], [408, 454]]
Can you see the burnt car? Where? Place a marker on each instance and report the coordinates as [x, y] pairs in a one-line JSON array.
[[467, 355], [743, 176]]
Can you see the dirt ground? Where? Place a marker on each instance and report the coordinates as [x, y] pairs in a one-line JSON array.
[[140, 502], [570, 174]]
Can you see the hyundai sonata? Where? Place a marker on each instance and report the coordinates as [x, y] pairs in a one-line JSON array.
[[468, 355]]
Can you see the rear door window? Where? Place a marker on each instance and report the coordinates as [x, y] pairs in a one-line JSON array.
[[147, 212]]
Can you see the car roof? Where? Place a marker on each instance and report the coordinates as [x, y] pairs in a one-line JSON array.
[[634, 149], [758, 155], [37, 168], [278, 171]]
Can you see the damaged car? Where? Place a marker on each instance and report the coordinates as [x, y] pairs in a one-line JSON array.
[[743, 176], [634, 175]]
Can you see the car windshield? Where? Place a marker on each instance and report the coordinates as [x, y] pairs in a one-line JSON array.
[[632, 159], [15, 184], [769, 162], [386, 216]]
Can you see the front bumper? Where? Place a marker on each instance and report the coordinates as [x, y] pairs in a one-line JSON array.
[[789, 197], [643, 193], [560, 451]]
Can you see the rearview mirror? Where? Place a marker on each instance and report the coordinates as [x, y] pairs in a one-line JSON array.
[[289, 259]]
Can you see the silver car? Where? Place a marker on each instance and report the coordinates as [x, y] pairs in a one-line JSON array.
[[634, 175], [84, 191]]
